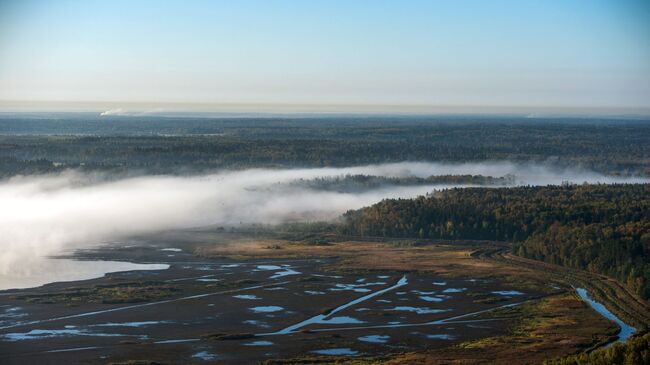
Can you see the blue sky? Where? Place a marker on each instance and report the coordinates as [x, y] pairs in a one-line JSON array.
[[552, 53]]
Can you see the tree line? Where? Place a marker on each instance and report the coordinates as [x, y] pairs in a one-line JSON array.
[[359, 183], [600, 228]]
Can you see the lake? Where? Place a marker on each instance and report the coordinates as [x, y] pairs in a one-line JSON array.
[[51, 270]]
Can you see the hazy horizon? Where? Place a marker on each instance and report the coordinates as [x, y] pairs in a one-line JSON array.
[[281, 109]]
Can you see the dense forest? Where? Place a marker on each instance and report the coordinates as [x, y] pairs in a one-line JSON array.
[[358, 183], [600, 228], [634, 351], [178, 145]]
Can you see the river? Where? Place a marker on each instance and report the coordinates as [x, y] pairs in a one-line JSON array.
[[626, 329]]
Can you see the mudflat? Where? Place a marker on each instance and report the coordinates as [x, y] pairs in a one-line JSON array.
[[233, 298]]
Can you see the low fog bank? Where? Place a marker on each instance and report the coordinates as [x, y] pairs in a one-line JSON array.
[[44, 215]]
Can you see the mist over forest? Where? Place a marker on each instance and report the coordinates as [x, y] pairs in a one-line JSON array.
[[44, 214]]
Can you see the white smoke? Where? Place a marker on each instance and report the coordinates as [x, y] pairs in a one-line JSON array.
[[118, 111], [125, 113], [43, 215]]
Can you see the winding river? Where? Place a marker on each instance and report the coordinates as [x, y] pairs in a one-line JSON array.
[[626, 329]]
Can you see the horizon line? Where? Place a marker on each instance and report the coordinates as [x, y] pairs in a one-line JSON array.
[[153, 108]]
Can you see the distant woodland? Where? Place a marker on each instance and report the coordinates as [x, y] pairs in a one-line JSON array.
[[188, 145], [600, 228], [358, 183]]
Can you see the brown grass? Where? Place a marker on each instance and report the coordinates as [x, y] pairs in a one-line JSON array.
[[359, 255]]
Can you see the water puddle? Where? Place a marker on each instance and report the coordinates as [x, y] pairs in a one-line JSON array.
[[42, 334], [327, 276], [313, 292], [285, 272], [259, 343], [268, 267], [431, 299], [340, 352], [454, 290], [257, 323], [374, 338], [440, 337], [204, 355], [204, 268], [422, 292], [127, 324], [507, 292], [340, 320], [246, 297], [267, 309], [171, 249], [418, 310]]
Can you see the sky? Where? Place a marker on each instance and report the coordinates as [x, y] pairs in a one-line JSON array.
[[531, 55]]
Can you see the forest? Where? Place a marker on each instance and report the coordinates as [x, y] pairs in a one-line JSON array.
[[600, 228], [187, 145], [358, 183], [634, 351]]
